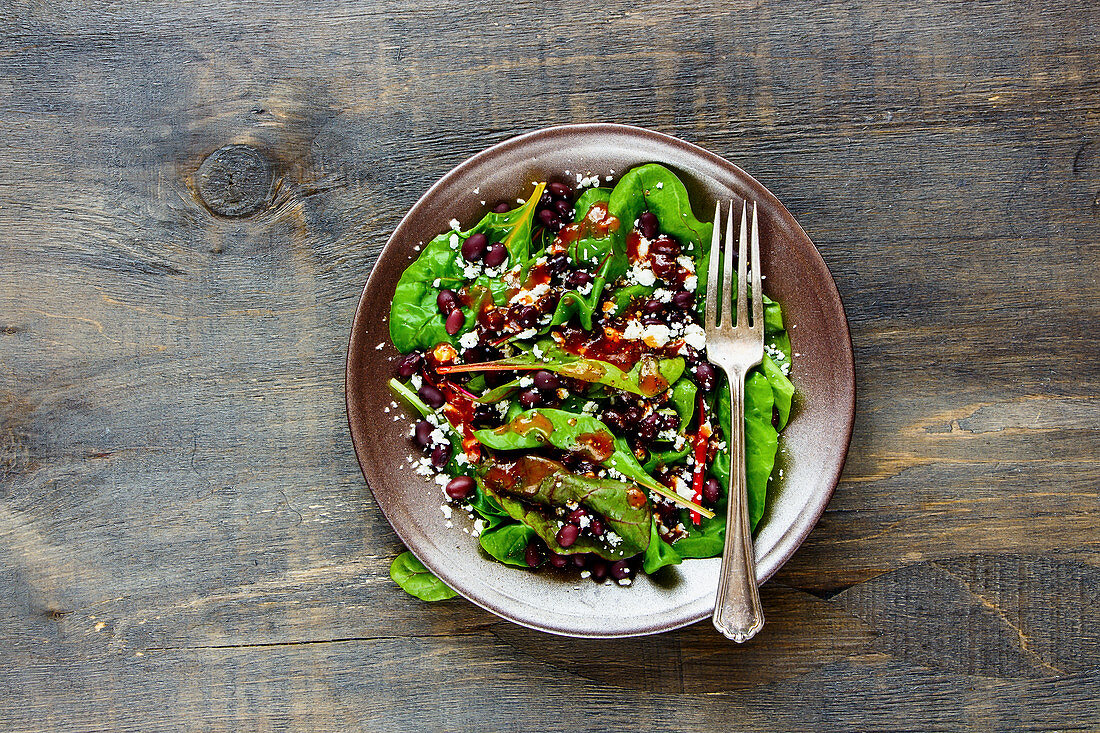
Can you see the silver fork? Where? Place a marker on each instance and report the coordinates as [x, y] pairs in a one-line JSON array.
[[735, 346]]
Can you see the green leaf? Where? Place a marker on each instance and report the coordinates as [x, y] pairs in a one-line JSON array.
[[656, 188], [659, 553], [417, 580], [533, 490], [508, 543], [706, 540], [641, 380], [683, 399], [415, 320], [761, 440], [782, 389], [586, 199]]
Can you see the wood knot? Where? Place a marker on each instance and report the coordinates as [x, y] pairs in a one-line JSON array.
[[235, 181]]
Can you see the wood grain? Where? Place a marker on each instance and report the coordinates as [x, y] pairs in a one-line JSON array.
[[186, 542]]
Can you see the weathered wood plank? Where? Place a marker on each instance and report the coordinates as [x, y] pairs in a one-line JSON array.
[[181, 517]]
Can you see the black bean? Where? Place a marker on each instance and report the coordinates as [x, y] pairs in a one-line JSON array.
[[684, 300], [502, 208], [455, 321], [599, 569], [459, 487], [473, 249], [440, 455], [431, 396], [532, 556], [711, 490], [559, 190], [580, 559], [564, 209], [619, 570], [705, 376], [558, 561], [529, 398], [653, 306], [596, 527], [575, 516], [775, 416], [496, 256], [613, 419], [409, 365], [567, 535], [527, 315], [557, 264], [545, 379], [546, 216], [447, 301], [546, 199], [632, 415], [422, 433], [648, 224], [555, 224], [578, 278]]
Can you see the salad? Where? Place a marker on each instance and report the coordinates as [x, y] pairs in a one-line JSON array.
[[555, 357]]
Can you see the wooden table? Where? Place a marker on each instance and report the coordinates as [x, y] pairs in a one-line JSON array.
[[186, 541]]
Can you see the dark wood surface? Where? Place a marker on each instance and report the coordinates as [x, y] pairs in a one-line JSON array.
[[186, 541]]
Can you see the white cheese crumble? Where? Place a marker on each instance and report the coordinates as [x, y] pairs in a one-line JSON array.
[[454, 241], [468, 340], [526, 382], [589, 408], [641, 275], [695, 336], [455, 225], [690, 283], [479, 527], [526, 333]]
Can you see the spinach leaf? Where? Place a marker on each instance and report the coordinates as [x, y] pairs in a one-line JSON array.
[[533, 490], [706, 540], [782, 389], [659, 553], [417, 580], [415, 320], [667, 457], [656, 188], [508, 543], [683, 399], [496, 394], [586, 199], [573, 302], [761, 440]]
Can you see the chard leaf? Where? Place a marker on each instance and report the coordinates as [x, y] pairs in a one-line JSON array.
[[417, 580], [534, 490]]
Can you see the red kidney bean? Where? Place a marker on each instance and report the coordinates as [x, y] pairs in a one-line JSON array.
[[684, 300], [545, 379], [546, 216], [493, 320], [558, 561], [599, 569], [527, 315], [619, 570], [575, 516], [648, 224], [580, 559], [459, 487], [432, 397], [496, 255], [532, 556], [705, 376], [473, 249], [596, 527], [409, 365], [502, 208], [546, 199], [653, 306], [711, 490], [447, 301], [440, 455], [567, 535], [559, 190], [577, 278], [455, 321], [530, 398], [564, 209], [422, 433]]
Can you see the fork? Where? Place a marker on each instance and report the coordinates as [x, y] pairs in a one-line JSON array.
[[735, 345]]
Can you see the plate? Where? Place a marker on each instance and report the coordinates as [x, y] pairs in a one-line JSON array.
[[813, 445]]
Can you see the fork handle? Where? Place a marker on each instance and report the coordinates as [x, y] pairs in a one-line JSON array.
[[737, 610]]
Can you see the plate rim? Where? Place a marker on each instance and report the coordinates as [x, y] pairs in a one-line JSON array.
[[812, 511]]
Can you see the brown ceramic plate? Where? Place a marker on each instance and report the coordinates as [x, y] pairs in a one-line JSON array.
[[813, 445]]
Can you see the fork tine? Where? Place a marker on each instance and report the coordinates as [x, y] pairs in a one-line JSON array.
[[742, 261], [729, 316], [757, 266], [710, 321]]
